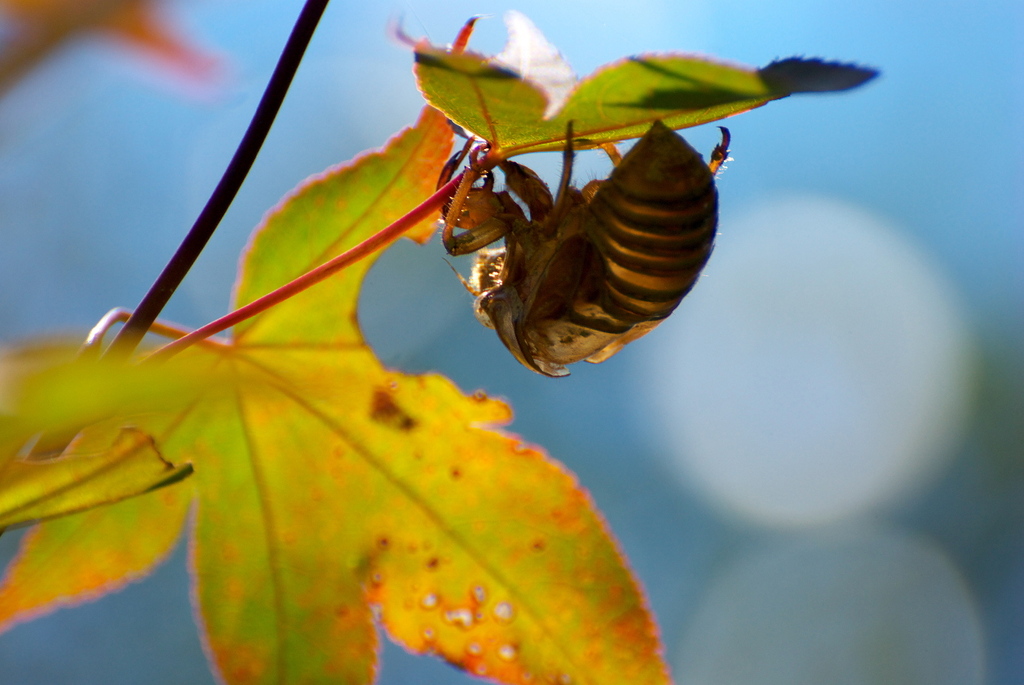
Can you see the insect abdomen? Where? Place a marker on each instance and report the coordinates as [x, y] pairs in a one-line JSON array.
[[653, 222]]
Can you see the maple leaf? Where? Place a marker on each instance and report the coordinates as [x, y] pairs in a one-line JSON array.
[[103, 465], [521, 100], [330, 491], [44, 25], [67, 437]]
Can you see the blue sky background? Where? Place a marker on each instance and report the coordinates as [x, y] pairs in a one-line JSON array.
[[105, 163]]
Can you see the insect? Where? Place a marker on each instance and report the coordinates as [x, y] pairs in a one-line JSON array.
[[593, 268]]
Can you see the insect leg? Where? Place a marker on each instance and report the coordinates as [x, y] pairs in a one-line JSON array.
[[613, 153], [472, 240], [528, 187], [454, 208], [485, 216], [721, 151], [590, 189], [562, 201], [448, 170], [475, 292]]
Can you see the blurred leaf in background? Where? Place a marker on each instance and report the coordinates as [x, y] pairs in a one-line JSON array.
[[38, 27]]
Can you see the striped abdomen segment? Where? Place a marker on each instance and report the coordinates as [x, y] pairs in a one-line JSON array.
[[653, 223]]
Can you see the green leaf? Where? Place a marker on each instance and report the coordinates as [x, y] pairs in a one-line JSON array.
[[623, 99], [616, 102], [93, 470], [492, 102], [67, 439]]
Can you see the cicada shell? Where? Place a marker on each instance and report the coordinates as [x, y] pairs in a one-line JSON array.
[[592, 269]]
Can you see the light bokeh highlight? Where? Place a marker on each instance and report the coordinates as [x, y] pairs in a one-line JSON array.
[[819, 369], [855, 607]]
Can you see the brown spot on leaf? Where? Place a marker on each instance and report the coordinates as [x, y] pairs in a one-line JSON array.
[[539, 545], [456, 473], [383, 542], [383, 410], [432, 563]]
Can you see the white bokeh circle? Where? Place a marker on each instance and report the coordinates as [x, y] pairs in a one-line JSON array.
[[858, 608], [818, 369]]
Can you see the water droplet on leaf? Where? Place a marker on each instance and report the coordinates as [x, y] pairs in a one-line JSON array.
[[463, 618], [503, 612]]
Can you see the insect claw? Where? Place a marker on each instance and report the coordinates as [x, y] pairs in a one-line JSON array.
[[720, 154], [613, 153], [453, 163]]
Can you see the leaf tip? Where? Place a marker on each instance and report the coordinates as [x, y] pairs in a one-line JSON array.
[[801, 75]]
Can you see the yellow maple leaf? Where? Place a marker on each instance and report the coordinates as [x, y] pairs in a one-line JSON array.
[[332, 494]]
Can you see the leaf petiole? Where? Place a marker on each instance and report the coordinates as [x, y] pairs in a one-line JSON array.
[[376, 242], [94, 340]]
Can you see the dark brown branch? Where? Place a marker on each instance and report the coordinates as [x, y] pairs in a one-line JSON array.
[[153, 303]]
